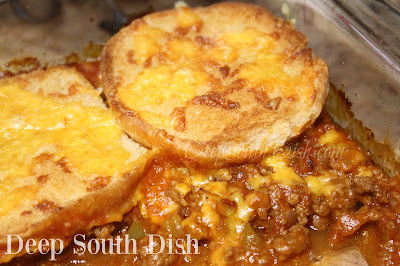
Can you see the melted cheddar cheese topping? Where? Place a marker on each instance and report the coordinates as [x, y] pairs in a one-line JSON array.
[[86, 135], [178, 66], [86, 138], [283, 173]]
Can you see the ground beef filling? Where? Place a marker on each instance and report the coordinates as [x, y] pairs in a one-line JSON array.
[[319, 193], [339, 191]]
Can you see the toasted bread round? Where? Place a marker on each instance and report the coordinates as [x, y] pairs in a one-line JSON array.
[[224, 83], [65, 164]]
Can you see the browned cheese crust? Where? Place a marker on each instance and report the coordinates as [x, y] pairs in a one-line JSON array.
[[224, 83], [53, 198]]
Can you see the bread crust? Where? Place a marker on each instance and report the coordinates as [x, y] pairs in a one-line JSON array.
[[243, 134], [98, 208], [80, 208]]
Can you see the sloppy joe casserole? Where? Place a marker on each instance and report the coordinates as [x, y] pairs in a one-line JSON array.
[[246, 167]]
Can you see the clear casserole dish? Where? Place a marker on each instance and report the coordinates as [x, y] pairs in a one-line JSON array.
[[358, 40]]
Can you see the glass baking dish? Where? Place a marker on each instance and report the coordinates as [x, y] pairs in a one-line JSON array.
[[358, 39]]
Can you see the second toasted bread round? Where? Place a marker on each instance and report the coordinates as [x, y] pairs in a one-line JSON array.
[[224, 83], [65, 165]]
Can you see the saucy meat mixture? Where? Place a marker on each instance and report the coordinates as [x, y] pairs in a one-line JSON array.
[[318, 194]]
